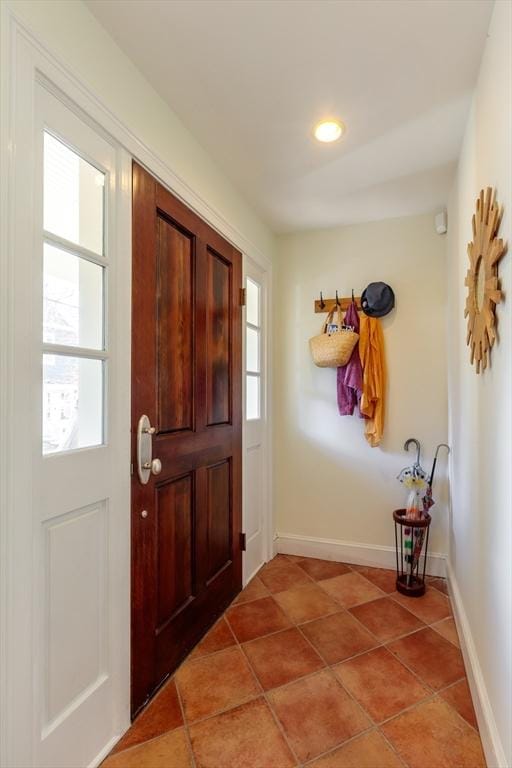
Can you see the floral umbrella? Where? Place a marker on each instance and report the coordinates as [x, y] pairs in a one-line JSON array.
[[416, 480]]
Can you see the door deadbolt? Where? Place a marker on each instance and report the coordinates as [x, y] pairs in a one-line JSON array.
[[146, 465]]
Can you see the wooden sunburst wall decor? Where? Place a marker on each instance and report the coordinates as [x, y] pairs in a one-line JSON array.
[[484, 292]]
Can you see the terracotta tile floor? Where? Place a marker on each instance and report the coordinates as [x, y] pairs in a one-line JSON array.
[[320, 664]]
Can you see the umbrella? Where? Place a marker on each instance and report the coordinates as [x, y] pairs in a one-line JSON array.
[[417, 481]]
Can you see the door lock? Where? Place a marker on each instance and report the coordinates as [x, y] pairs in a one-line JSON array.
[[155, 466], [146, 465]]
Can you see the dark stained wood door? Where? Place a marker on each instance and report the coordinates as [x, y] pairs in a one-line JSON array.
[[186, 377]]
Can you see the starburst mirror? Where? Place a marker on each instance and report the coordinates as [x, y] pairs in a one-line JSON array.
[[484, 252]]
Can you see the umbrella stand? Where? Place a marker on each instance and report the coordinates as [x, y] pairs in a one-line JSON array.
[[410, 578]]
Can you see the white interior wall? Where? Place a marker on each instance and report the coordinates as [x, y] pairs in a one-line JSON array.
[[328, 482], [480, 406]]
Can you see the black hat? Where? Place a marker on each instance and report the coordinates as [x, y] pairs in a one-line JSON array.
[[377, 300]]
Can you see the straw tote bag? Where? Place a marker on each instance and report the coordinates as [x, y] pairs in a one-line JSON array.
[[330, 350]]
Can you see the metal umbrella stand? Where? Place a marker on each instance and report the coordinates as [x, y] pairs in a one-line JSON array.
[[410, 563], [412, 526]]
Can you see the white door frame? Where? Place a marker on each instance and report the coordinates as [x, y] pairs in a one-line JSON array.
[[261, 428], [24, 58]]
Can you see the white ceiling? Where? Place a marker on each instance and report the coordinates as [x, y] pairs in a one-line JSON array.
[[249, 78]]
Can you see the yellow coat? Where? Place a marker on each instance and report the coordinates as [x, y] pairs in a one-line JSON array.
[[371, 351]]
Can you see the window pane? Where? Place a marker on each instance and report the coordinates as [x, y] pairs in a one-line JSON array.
[[253, 350], [73, 196], [72, 403], [253, 302], [73, 300], [253, 397]]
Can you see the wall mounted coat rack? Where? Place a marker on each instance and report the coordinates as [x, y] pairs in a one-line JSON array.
[[327, 305]]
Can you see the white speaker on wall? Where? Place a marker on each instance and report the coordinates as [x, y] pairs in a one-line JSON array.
[[441, 222]]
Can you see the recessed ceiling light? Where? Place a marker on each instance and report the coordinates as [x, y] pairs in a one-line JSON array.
[[329, 130]]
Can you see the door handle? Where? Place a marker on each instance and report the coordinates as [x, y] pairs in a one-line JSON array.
[[146, 465]]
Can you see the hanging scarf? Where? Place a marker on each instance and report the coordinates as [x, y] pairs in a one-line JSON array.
[[350, 376], [371, 349]]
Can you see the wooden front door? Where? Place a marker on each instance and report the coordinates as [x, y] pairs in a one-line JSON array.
[[186, 379]]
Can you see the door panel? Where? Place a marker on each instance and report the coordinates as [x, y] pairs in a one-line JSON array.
[[219, 517], [186, 377], [218, 339], [174, 547], [175, 269]]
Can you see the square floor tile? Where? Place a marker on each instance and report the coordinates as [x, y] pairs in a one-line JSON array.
[[171, 749], [322, 569], [162, 714], [245, 737], [214, 683], [317, 714], [383, 578], [253, 591], [459, 696], [283, 575], [441, 738], [448, 629], [338, 637], [306, 602], [370, 750], [386, 619], [257, 618], [351, 589], [283, 657], [430, 607], [381, 683], [435, 660], [216, 639]]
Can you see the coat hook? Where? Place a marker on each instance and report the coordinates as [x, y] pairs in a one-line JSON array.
[[337, 300], [322, 302], [352, 294]]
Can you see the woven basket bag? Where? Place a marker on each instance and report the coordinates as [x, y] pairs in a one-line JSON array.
[[330, 350]]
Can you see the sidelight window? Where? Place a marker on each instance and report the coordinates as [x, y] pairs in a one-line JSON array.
[[253, 350], [74, 277]]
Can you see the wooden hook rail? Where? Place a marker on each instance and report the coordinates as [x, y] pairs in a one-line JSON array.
[[330, 304]]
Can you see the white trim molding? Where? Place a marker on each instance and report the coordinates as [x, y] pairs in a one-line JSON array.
[[493, 748], [374, 555]]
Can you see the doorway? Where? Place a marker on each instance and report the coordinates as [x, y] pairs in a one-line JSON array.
[[186, 431]]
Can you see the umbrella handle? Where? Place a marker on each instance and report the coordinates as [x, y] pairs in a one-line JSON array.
[[441, 445], [418, 447]]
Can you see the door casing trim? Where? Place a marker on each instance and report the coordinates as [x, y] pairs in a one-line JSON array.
[[21, 81]]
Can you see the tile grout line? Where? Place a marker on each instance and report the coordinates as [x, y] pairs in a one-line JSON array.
[[185, 723], [269, 705]]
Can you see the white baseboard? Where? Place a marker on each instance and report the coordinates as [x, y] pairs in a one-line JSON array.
[[349, 552], [491, 742]]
